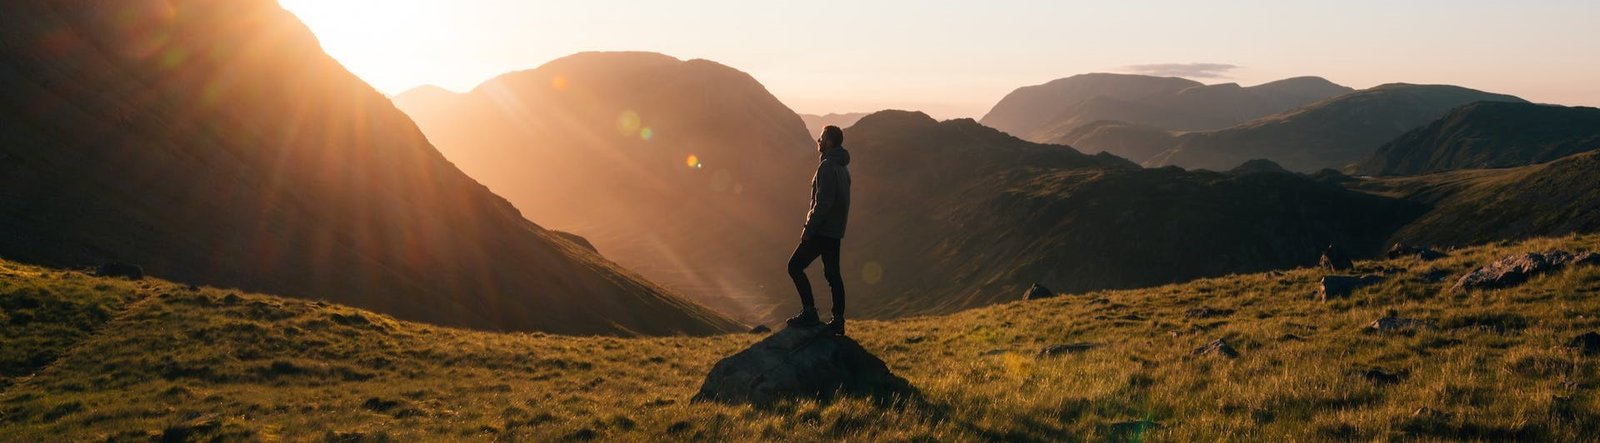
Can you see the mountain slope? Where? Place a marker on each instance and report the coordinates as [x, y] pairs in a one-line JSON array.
[[689, 172], [815, 123], [1329, 134], [1045, 113], [212, 364], [985, 215], [1489, 135], [214, 142]]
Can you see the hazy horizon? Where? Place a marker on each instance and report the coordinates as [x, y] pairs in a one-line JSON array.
[[956, 59]]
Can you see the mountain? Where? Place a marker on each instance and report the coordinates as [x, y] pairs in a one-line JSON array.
[[1476, 206], [1130, 141], [984, 215], [214, 142], [815, 123], [689, 172], [1047, 112], [1489, 135], [107, 359], [1329, 134]]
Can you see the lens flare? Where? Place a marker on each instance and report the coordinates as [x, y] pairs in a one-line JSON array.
[[872, 272], [628, 123], [558, 83], [646, 134], [693, 161]]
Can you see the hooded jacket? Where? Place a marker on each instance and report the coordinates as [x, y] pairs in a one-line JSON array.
[[830, 195]]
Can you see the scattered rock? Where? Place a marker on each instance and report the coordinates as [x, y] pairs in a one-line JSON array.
[[1206, 312], [1588, 343], [760, 329], [376, 404], [800, 363], [992, 352], [131, 272], [1290, 337], [1395, 324], [1381, 377], [1064, 349], [1334, 259], [1335, 286], [1421, 253], [1515, 269], [1217, 347], [915, 339], [1037, 291]]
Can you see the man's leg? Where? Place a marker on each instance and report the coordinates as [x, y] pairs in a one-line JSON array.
[[804, 254], [830, 270]]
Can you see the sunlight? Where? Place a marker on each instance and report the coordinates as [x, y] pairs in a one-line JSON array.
[[375, 38]]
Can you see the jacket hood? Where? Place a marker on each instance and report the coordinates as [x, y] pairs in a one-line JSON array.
[[838, 155]]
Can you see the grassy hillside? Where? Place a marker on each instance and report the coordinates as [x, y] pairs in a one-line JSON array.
[[95, 359], [1488, 135]]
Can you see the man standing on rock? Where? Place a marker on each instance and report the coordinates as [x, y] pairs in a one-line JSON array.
[[824, 229]]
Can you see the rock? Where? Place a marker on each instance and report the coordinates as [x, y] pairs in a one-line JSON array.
[[1218, 348], [1334, 259], [760, 329], [131, 272], [1381, 377], [1395, 324], [797, 363], [1588, 343], [993, 352], [1335, 286], [1421, 253], [1290, 337], [1037, 291], [1064, 349], [1206, 312], [1515, 269]]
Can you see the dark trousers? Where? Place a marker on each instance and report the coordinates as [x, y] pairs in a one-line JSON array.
[[808, 251]]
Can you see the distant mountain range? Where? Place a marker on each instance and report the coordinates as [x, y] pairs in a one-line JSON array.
[[213, 142], [1486, 205], [1489, 135], [983, 215], [1052, 112], [1333, 133], [689, 172], [815, 123]]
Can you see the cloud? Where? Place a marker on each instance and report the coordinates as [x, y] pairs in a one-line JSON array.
[[1191, 70]]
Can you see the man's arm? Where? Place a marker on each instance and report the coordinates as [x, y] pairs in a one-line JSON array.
[[827, 192]]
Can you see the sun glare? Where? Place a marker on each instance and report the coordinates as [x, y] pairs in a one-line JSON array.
[[375, 39]]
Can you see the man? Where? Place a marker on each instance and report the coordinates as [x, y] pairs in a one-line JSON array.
[[830, 208]]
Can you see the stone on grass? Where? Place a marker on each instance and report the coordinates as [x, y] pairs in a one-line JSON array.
[[1206, 312], [1217, 348], [1064, 349], [760, 329], [1588, 343], [1420, 252], [1335, 286], [1395, 324], [1515, 269], [800, 363], [1334, 259], [1037, 291]]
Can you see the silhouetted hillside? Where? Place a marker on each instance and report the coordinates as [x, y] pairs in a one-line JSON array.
[[815, 123], [984, 215], [1329, 134], [1489, 135], [1048, 112], [214, 142], [1126, 140], [1478, 206], [689, 172]]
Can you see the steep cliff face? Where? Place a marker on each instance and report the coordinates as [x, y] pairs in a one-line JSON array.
[[214, 142]]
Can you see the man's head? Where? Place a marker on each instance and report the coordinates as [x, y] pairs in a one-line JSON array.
[[832, 137]]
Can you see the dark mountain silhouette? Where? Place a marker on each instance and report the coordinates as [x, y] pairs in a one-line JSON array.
[[1471, 207], [1329, 134], [600, 144], [985, 215], [815, 123], [214, 142], [1048, 112], [1489, 135]]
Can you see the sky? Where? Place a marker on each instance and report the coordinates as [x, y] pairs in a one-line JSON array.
[[957, 58]]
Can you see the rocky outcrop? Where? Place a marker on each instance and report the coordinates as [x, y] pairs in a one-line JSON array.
[[800, 363], [1038, 291], [1518, 268], [1217, 348], [1334, 259]]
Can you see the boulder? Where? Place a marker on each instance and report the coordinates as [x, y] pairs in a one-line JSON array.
[[1334, 259], [1218, 348], [800, 363], [1588, 343], [1038, 291], [760, 329], [1206, 312], [1421, 253], [1379, 376], [1064, 349], [1515, 269], [1335, 286], [131, 272]]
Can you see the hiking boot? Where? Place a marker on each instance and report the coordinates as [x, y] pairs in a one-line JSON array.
[[806, 319], [836, 325]]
